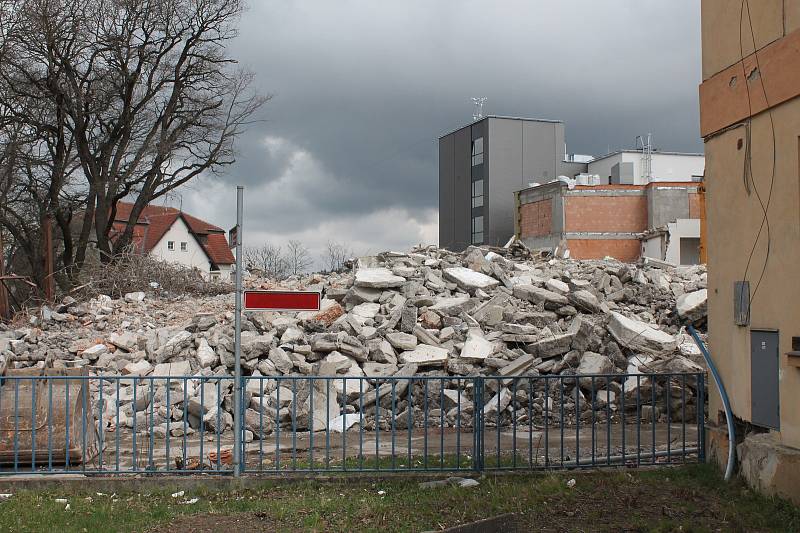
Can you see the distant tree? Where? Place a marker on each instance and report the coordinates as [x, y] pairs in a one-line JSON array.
[[141, 93], [268, 259], [298, 257], [335, 255]]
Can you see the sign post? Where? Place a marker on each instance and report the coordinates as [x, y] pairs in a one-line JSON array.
[[237, 383]]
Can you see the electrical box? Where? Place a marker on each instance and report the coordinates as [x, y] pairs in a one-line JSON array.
[[764, 379], [741, 303]]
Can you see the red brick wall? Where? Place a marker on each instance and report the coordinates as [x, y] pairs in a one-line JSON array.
[[536, 218], [694, 205], [606, 213], [626, 250]]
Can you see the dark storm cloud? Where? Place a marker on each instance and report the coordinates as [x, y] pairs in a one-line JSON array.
[[362, 90]]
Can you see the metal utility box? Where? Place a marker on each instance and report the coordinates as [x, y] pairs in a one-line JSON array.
[[764, 384]]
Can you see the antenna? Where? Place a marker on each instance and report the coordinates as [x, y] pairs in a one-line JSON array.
[[477, 111], [646, 166]]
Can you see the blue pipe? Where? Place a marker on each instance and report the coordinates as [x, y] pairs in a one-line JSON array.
[[725, 402]]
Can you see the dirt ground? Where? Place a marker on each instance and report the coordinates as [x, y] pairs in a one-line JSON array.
[[637, 501]]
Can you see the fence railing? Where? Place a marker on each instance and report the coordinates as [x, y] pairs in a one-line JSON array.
[[184, 424]]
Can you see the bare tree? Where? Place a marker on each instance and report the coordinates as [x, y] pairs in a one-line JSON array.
[[141, 92], [37, 180], [335, 256], [268, 259], [298, 257]]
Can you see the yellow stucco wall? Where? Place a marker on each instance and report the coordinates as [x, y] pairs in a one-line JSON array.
[[734, 218]]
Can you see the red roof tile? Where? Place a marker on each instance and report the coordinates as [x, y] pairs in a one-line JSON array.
[[155, 221]]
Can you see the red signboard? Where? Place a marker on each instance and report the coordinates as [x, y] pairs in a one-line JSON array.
[[282, 300]]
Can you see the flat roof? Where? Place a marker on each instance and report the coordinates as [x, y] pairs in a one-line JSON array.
[[655, 152], [504, 118], [618, 186]]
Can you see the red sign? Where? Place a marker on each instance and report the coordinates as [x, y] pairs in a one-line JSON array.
[[282, 300]]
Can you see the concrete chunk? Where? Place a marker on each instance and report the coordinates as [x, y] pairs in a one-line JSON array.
[[468, 279], [552, 300], [402, 341], [692, 305], [476, 347], [378, 278], [639, 336], [425, 355]]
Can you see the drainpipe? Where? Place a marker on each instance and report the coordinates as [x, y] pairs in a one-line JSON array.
[[725, 402]]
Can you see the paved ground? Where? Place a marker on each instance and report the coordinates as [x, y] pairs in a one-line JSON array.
[[404, 449]]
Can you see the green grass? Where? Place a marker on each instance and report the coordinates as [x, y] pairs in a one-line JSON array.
[[693, 498]]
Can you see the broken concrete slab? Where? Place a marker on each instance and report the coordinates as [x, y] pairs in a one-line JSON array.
[[476, 347], [425, 355], [402, 341], [691, 306], [639, 336], [377, 278], [468, 279]]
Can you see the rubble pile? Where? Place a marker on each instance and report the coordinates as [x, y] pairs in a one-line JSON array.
[[429, 312]]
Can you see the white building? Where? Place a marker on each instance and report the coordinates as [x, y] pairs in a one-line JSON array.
[[172, 235], [637, 167], [677, 240]]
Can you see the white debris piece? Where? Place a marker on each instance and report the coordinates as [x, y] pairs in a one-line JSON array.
[[476, 347], [134, 297], [344, 422], [468, 279], [692, 305], [425, 355], [377, 278], [638, 336]]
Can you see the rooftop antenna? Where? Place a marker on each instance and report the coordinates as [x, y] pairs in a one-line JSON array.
[[646, 147], [477, 112]]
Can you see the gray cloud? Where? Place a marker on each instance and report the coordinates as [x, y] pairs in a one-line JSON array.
[[362, 90]]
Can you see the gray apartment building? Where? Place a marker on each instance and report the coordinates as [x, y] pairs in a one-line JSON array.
[[482, 164]]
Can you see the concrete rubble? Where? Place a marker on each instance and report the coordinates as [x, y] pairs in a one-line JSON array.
[[426, 313]]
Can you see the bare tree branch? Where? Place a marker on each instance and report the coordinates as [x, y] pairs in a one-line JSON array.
[[298, 257]]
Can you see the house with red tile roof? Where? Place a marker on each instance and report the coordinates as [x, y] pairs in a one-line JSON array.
[[172, 235]]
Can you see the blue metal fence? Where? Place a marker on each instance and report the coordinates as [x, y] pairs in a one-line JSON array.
[[168, 424]]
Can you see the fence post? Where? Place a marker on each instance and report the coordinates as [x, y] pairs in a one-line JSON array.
[[477, 460], [237, 380], [701, 417]]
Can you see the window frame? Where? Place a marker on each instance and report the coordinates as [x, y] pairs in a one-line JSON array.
[[477, 235], [477, 156], [171, 246], [476, 188]]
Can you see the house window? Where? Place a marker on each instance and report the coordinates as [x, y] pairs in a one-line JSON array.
[[170, 245], [184, 247], [477, 151], [477, 230], [477, 193]]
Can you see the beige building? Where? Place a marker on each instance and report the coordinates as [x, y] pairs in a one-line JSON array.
[[750, 120]]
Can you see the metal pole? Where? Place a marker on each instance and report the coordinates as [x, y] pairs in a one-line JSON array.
[[237, 384]]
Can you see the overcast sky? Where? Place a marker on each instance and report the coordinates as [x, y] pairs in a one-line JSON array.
[[363, 89]]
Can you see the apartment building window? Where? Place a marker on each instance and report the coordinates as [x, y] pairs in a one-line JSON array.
[[170, 245], [184, 247], [477, 230], [477, 151], [477, 193]]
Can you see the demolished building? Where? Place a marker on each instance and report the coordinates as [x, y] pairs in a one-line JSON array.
[[427, 313]]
